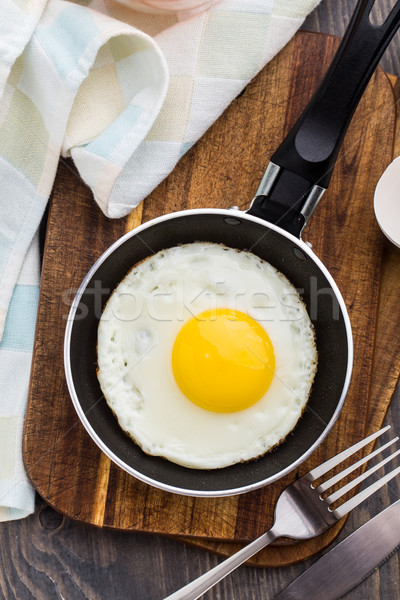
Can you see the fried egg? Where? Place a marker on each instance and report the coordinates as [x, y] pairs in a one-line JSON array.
[[206, 355]]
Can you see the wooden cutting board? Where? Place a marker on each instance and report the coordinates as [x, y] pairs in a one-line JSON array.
[[222, 169]]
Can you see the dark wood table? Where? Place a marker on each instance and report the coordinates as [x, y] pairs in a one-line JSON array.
[[47, 556]]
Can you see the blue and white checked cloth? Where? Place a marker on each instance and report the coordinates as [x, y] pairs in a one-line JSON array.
[[125, 95]]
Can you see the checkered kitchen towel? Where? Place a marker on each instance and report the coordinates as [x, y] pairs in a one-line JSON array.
[[125, 95]]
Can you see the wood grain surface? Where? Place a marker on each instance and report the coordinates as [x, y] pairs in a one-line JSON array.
[[224, 168], [48, 556]]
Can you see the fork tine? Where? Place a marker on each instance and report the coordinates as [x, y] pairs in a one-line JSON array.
[[335, 460], [336, 495], [364, 494], [330, 482]]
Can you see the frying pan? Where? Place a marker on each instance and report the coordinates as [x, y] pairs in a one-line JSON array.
[[295, 179]]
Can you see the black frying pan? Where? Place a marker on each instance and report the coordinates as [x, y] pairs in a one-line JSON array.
[[297, 176]]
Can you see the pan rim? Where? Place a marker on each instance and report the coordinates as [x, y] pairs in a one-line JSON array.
[[81, 413]]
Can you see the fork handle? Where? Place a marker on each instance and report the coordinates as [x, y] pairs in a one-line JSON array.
[[203, 583]]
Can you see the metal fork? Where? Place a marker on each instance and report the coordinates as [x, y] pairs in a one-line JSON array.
[[301, 512]]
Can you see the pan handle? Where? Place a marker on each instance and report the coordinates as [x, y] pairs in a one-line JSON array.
[[301, 168]]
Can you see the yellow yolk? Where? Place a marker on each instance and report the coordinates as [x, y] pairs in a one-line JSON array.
[[223, 360]]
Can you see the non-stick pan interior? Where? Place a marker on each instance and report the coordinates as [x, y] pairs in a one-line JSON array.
[[324, 309]]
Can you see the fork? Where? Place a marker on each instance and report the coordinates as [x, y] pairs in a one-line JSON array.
[[301, 512]]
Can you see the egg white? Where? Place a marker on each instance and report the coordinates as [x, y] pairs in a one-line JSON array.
[[136, 335]]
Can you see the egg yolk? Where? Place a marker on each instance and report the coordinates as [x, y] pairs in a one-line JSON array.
[[223, 360]]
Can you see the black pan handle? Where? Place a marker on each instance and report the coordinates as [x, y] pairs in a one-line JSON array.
[[301, 168]]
